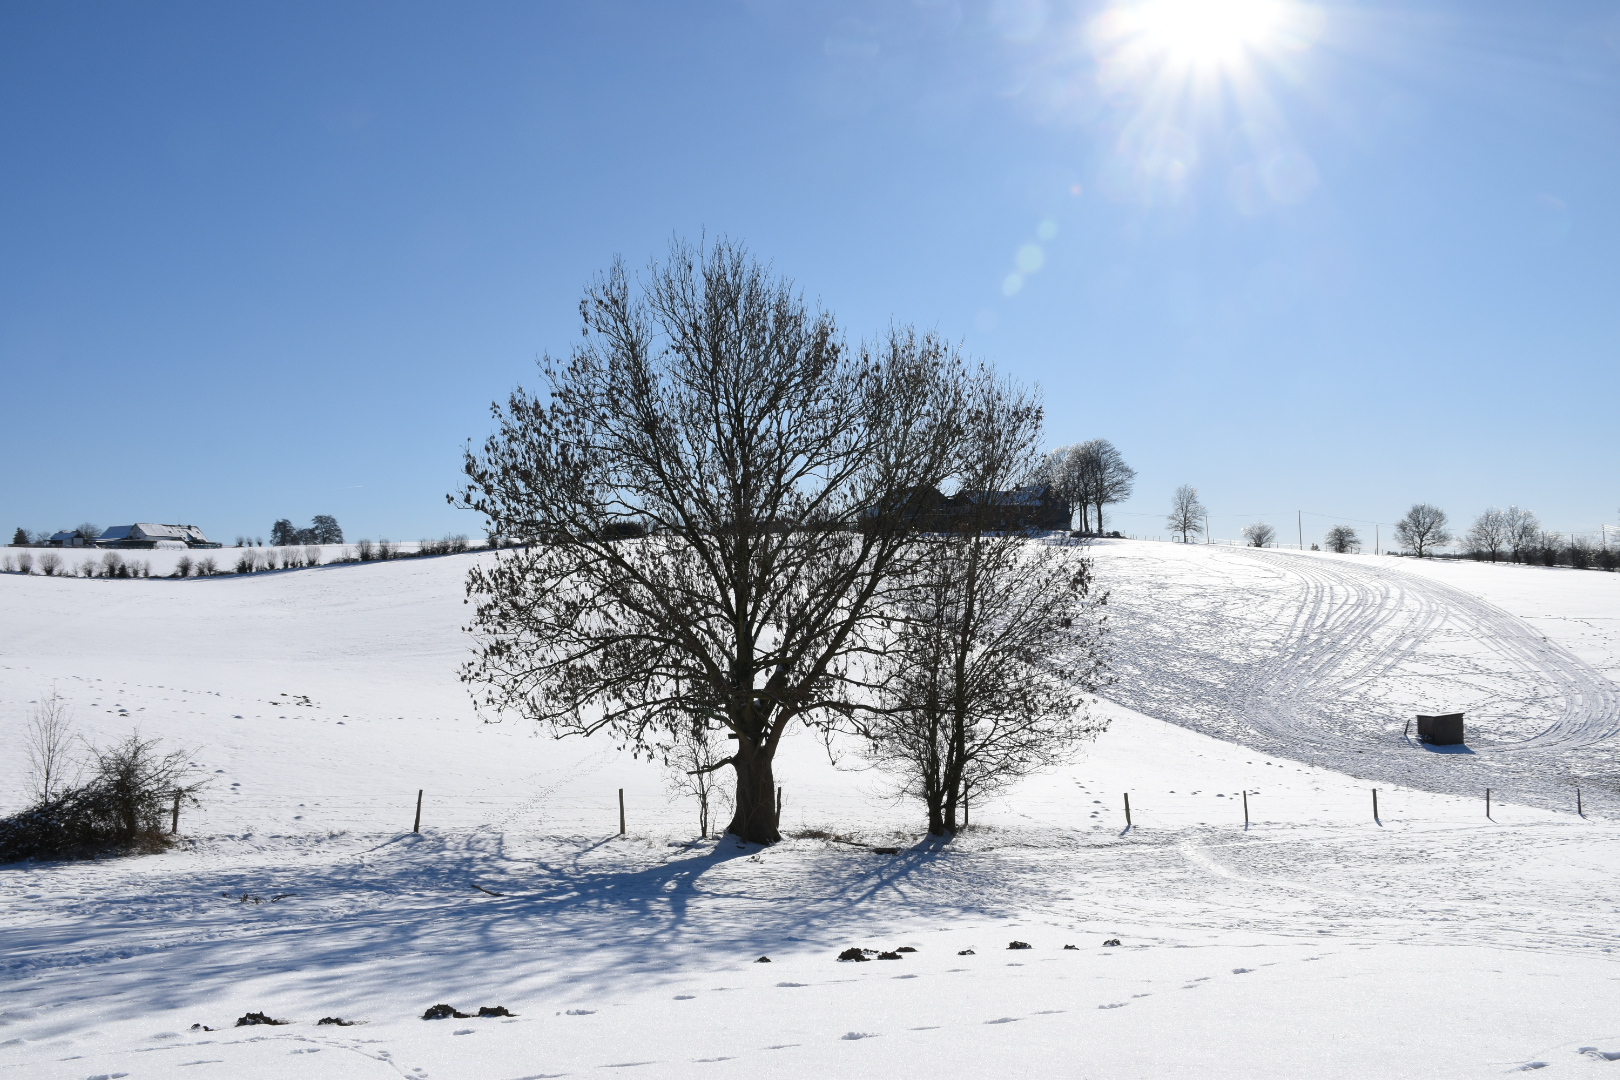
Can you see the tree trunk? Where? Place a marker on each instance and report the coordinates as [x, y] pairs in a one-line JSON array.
[[755, 817]]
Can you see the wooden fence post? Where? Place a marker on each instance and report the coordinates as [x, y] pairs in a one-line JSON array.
[[416, 826], [778, 806], [1245, 809], [174, 822], [1127, 809], [621, 811], [1488, 804], [1579, 810], [1375, 805]]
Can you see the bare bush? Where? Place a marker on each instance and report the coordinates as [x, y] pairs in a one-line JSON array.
[[112, 565], [694, 757], [244, 561], [25, 562], [207, 566], [119, 809], [312, 555], [49, 563], [1260, 534], [182, 566], [1342, 539], [365, 550], [387, 549]]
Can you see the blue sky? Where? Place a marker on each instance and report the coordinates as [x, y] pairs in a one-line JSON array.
[[276, 260]]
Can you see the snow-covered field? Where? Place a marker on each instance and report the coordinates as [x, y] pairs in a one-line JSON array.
[[1317, 942]]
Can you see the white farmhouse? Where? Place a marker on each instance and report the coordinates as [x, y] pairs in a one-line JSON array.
[[145, 535]]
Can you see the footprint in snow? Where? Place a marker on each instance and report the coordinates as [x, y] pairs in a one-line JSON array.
[[853, 1035], [580, 1012], [1004, 1020], [805, 984], [465, 1031], [1114, 1005], [1241, 971], [684, 997], [1600, 1055]]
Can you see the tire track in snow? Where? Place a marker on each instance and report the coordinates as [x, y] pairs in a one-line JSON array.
[[1327, 661]]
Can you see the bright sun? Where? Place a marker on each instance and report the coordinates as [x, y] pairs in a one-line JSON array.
[[1204, 33]]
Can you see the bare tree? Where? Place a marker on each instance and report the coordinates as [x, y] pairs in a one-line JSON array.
[[998, 641], [1423, 529], [690, 766], [88, 531], [1186, 512], [1260, 534], [50, 733], [1342, 539], [1489, 535], [775, 474], [1060, 468], [1104, 477], [1523, 530]]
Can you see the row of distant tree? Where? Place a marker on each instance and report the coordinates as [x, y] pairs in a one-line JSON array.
[[1511, 535], [323, 529]]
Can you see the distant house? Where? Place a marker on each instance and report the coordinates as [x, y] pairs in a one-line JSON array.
[[70, 538], [1032, 508], [146, 535]]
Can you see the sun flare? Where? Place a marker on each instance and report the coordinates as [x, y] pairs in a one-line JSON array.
[[1208, 32]]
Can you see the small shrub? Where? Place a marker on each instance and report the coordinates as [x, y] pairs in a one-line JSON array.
[[111, 565], [182, 567], [1607, 559], [367, 552], [244, 561], [207, 566], [49, 563], [387, 549], [312, 555], [119, 810]]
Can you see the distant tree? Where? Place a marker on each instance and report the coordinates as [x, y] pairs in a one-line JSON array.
[[1060, 469], [1186, 512], [325, 528], [1342, 539], [19, 538], [1423, 529], [1260, 534], [88, 530], [1523, 531], [283, 533], [1103, 476], [1489, 535]]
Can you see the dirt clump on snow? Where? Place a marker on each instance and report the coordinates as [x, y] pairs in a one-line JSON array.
[[1019, 945], [494, 1010], [856, 955], [337, 1021], [445, 1012], [255, 1018]]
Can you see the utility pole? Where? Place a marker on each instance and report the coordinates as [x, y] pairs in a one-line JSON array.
[[1299, 519], [1207, 538], [1375, 541]]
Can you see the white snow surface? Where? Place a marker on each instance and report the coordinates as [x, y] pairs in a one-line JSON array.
[[1316, 942]]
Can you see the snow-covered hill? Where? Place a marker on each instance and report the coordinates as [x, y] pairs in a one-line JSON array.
[[1316, 942]]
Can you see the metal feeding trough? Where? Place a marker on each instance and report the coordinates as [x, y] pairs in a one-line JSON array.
[[1443, 730]]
